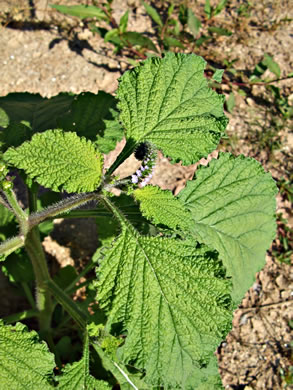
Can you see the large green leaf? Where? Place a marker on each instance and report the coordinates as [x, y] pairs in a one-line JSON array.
[[171, 298], [77, 376], [232, 202], [34, 110], [25, 362], [86, 114], [168, 103], [59, 160]]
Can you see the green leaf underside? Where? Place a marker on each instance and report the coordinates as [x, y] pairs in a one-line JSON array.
[[58, 161], [86, 114], [167, 294], [40, 113], [76, 376], [167, 102], [161, 207], [113, 133], [233, 204], [15, 134], [25, 362]]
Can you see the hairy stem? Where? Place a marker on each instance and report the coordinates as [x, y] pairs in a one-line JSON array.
[[63, 206], [11, 245], [67, 303], [36, 253], [17, 210]]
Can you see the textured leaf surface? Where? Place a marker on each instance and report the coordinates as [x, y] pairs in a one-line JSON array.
[[172, 299], [86, 114], [25, 362], [167, 102], [76, 376], [37, 112], [233, 204], [58, 161], [161, 207]]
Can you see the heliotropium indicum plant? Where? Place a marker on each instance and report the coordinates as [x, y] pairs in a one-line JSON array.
[[169, 270]]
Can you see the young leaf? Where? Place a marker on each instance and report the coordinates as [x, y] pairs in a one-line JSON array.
[[138, 39], [202, 40], [217, 76], [60, 161], [219, 8], [193, 22], [34, 111], [208, 9], [112, 36], [168, 103], [271, 65], [153, 14], [230, 102], [161, 207], [81, 11], [76, 376], [26, 363], [233, 204], [219, 31], [86, 114], [183, 14], [172, 42], [171, 298], [123, 22]]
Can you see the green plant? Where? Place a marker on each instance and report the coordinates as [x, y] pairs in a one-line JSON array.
[[178, 29], [170, 270]]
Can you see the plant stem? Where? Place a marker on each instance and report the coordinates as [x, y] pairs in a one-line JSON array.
[[71, 287], [36, 253], [28, 294], [71, 307], [11, 245], [63, 206], [18, 211]]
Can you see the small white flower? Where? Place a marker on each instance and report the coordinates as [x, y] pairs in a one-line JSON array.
[[134, 179]]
